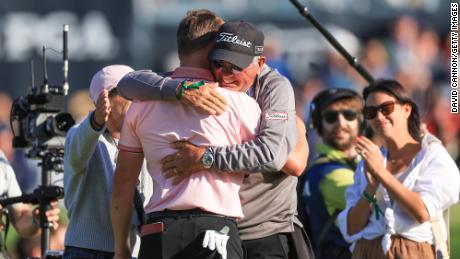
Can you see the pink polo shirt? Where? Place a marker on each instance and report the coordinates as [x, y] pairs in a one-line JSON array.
[[151, 127]]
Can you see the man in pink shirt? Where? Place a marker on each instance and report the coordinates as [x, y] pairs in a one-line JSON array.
[[202, 208]]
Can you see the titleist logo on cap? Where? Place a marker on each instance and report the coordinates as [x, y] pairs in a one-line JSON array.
[[230, 37]]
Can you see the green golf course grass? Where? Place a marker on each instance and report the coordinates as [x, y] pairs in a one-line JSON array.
[[455, 231]]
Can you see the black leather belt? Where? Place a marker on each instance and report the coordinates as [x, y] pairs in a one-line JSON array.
[[158, 215]]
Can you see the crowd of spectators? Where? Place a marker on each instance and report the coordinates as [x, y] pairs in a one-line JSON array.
[[412, 53]]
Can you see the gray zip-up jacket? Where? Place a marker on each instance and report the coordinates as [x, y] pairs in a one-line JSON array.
[[268, 195]]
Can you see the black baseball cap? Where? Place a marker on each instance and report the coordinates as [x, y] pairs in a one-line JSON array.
[[328, 96], [238, 43], [323, 99]]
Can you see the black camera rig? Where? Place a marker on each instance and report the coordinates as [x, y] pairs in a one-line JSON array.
[[39, 125], [36, 120]]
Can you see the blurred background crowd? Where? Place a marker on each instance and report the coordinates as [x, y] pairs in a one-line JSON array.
[[407, 40]]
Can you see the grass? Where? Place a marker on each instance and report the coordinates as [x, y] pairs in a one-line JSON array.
[[455, 231]]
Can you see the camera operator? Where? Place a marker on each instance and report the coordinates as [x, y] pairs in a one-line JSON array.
[[89, 163], [24, 218], [26, 170]]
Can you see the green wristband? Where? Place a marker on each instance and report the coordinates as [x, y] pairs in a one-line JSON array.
[[184, 87]]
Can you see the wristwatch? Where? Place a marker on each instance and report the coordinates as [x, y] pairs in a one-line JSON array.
[[208, 158]]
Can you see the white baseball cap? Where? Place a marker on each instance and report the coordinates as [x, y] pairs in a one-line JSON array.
[[106, 79]]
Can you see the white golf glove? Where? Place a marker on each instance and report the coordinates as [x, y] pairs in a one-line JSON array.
[[217, 240]]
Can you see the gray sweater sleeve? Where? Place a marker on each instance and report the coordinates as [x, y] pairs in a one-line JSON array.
[[81, 141], [145, 85], [277, 137]]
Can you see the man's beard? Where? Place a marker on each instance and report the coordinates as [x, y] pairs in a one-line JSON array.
[[344, 144]]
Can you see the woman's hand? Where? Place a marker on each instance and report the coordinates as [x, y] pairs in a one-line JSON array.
[[372, 182], [373, 159]]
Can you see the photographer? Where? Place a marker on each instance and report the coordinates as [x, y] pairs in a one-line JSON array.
[[24, 218]]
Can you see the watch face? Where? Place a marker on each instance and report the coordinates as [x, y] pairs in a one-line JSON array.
[[207, 160]]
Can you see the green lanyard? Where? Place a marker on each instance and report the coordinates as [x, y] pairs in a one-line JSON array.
[[373, 201]]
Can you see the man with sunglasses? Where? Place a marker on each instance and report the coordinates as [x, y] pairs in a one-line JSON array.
[[335, 114], [270, 227]]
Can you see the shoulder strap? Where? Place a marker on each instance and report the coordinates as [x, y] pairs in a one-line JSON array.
[[446, 216], [442, 248], [327, 226]]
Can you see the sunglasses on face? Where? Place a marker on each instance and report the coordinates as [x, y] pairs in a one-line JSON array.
[[114, 92], [332, 116], [386, 108], [219, 64]]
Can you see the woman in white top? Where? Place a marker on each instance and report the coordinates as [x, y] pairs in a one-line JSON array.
[[397, 190]]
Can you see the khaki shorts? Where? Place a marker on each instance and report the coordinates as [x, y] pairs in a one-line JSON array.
[[401, 248]]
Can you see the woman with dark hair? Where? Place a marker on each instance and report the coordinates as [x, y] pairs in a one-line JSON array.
[[401, 189]]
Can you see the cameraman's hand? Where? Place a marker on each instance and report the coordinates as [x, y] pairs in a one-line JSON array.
[[101, 114], [52, 215]]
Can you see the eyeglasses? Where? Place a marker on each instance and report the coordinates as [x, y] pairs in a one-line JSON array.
[[219, 64], [332, 116], [386, 108]]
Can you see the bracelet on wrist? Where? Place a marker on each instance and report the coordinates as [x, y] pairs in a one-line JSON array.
[[373, 204], [94, 124], [184, 87]]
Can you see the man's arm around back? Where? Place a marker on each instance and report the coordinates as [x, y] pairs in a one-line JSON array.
[[128, 168]]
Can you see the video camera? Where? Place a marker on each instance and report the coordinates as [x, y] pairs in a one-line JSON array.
[[36, 120], [38, 123]]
